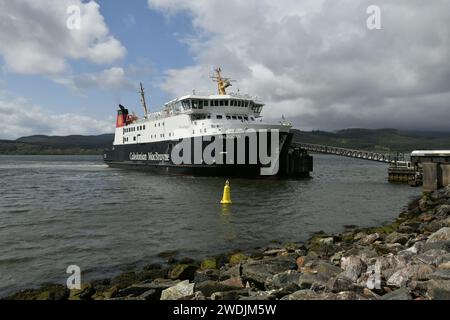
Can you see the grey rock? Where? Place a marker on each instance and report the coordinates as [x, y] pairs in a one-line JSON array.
[[443, 274], [309, 280], [442, 234], [353, 267], [181, 290], [440, 245], [446, 222], [396, 237], [432, 257], [399, 294], [439, 290], [388, 264], [340, 283], [370, 239], [258, 271], [400, 277], [230, 295], [208, 274], [209, 287], [283, 279], [151, 294], [231, 272], [443, 210]]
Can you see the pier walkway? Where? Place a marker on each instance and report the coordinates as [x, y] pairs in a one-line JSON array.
[[351, 153]]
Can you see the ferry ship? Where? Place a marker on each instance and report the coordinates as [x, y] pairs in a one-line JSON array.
[[214, 135]]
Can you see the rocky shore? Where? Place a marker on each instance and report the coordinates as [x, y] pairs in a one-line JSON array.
[[404, 260]]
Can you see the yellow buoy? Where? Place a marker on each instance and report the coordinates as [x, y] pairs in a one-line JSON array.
[[226, 198]]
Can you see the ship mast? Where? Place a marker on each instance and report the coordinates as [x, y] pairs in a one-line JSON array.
[[222, 83], [144, 105]]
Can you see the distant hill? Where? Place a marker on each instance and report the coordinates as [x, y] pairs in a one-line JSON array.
[[40, 144], [381, 140]]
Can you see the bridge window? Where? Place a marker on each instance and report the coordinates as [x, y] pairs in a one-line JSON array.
[[226, 103], [234, 117], [186, 104], [219, 116]]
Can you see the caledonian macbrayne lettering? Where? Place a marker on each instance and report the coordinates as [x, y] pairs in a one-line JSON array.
[[138, 156]]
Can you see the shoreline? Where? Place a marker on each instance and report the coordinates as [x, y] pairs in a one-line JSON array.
[[406, 259]]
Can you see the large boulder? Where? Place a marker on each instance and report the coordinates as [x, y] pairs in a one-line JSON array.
[[389, 264], [258, 271], [181, 290], [442, 234], [353, 267]]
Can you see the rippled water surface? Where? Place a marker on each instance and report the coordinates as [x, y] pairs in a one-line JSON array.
[[61, 210]]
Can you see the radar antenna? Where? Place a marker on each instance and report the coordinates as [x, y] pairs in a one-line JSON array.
[[222, 83]]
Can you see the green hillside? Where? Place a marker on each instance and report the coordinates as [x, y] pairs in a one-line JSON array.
[[380, 139]]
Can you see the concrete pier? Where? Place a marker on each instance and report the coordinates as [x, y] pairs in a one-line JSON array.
[[435, 168]]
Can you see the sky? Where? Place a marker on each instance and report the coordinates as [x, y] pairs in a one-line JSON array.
[[317, 62]]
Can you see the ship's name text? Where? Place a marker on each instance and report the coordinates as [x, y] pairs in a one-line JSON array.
[[137, 156]]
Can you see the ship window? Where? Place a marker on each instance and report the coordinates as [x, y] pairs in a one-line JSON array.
[[240, 118], [253, 119], [246, 118], [186, 105], [159, 124], [205, 103], [200, 104], [219, 116], [228, 117], [195, 104], [234, 118], [209, 116], [226, 103], [134, 138], [143, 127]]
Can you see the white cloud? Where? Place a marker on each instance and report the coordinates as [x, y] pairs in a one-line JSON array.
[[34, 38], [26, 119], [110, 79], [317, 62]]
